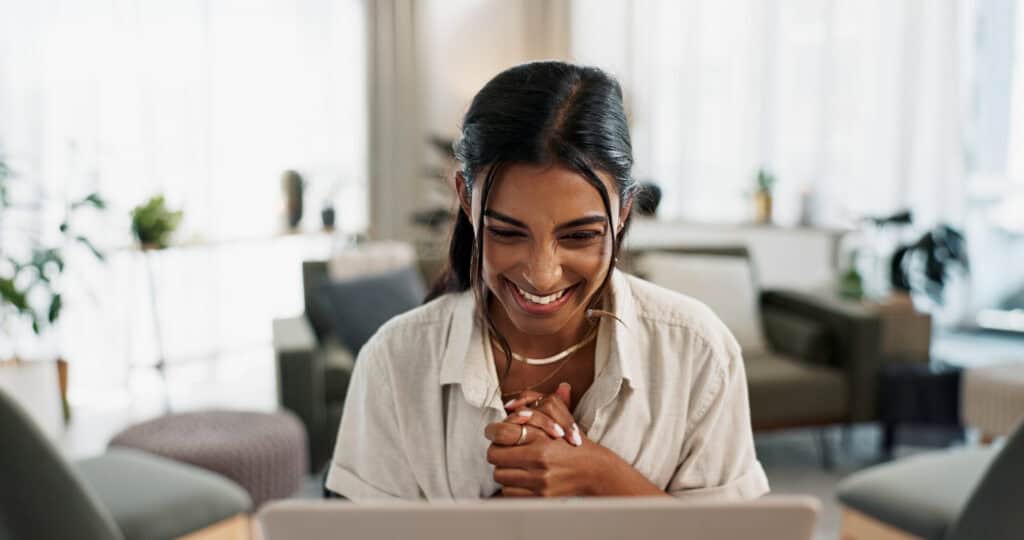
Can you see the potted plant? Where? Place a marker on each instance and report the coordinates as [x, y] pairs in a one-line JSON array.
[[153, 223], [31, 281], [763, 197]]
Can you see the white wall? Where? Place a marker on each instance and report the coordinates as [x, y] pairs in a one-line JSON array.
[[464, 43]]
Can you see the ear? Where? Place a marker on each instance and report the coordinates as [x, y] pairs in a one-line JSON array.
[[464, 196], [623, 214]]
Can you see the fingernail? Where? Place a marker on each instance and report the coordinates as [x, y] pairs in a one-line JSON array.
[[559, 431], [576, 439], [509, 403], [525, 412]]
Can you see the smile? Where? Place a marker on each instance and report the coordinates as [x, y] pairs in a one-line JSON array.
[[540, 305]]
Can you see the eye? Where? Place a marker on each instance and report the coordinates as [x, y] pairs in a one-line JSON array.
[[504, 234], [583, 236]]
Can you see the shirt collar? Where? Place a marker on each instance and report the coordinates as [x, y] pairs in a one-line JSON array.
[[465, 362]]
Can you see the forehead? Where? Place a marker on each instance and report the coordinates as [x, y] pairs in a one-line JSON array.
[[547, 191]]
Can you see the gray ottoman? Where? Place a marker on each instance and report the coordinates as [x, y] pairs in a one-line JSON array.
[[265, 453]]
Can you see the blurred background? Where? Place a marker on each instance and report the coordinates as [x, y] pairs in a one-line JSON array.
[[166, 167]]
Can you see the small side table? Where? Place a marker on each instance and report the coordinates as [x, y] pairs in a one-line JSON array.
[[918, 394]]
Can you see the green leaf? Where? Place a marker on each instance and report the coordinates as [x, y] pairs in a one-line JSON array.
[[92, 248], [35, 326], [55, 306], [93, 199], [12, 295]]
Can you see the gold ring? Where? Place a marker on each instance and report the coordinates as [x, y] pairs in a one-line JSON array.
[[522, 435]]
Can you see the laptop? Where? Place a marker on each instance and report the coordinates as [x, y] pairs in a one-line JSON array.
[[782, 517]]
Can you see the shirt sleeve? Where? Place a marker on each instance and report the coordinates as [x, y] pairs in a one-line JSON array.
[[717, 461], [369, 457]]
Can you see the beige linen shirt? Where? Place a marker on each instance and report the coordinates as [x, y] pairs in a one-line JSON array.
[[669, 396]]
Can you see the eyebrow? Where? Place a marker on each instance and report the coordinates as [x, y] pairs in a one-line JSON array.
[[578, 222]]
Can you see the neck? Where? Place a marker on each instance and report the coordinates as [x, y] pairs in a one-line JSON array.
[[539, 346]]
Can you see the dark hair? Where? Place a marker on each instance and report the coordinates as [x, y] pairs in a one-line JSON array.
[[648, 197], [541, 113]]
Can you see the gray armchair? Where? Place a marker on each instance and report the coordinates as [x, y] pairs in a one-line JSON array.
[[122, 494], [315, 352], [959, 494], [823, 358]]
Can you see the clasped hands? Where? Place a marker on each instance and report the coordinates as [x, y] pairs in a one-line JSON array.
[[552, 458]]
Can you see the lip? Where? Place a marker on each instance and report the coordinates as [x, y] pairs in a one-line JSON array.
[[538, 309]]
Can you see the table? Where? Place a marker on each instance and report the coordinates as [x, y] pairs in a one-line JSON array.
[[918, 394]]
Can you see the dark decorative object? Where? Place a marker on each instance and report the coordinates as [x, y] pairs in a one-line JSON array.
[[934, 257], [292, 185], [327, 217], [648, 197]]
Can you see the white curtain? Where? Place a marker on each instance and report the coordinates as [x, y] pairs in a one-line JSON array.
[[397, 139], [855, 105], [208, 103]]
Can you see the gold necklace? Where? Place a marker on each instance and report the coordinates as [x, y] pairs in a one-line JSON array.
[[554, 358], [554, 372]]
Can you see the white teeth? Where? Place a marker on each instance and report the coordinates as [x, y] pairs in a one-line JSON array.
[[541, 299]]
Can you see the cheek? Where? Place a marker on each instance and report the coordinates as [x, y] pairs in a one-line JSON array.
[[500, 258]]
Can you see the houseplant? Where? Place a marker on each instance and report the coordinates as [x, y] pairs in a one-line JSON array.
[[31, 278], [153, 223], [763, 197]]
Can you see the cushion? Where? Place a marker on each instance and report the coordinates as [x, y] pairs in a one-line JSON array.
[[725, 283], [358, 307], [786, 390], [922, 495], [152, 497]]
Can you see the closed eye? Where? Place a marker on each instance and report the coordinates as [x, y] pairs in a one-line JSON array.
[[504, 233], [583, 236]]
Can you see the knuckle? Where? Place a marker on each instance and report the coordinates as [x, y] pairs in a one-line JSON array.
[[492, 457]]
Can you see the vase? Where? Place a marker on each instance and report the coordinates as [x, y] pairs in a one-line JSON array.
[[327, 217], [762, 208], [292, 187]]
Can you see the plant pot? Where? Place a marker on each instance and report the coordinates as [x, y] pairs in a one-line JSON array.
[[762, 207], [327, 217]]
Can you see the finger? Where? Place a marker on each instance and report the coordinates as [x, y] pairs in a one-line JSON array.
[[515, 478], [516, 492], [517, 457], [508, 434], [557, 410], [525, 398], [564, 393], [537, 419]]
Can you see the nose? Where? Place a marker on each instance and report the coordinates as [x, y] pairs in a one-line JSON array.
[[543, 269]]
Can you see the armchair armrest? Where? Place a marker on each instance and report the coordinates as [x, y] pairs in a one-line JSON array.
[[798, 336], [855, 332], [300, 374]]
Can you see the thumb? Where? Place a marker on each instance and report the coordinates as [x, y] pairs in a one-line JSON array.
[[564, 393]]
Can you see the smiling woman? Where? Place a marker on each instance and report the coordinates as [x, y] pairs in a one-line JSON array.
[[613, 385]]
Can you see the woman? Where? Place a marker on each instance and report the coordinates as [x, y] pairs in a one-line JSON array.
[[539, 369]]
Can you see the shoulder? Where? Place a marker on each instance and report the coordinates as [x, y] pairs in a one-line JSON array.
[[416, 336], [664, 310]]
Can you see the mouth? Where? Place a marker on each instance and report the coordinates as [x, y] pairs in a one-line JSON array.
[[540, 305]]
